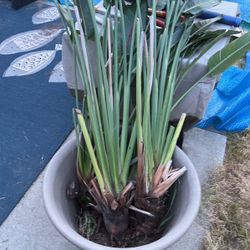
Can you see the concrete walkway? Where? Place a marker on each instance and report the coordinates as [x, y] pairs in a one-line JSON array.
[[28, 227]]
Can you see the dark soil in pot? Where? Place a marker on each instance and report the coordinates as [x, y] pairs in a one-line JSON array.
[[141, 229]]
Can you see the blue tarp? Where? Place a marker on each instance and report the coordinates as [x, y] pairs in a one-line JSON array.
[[229, 107]]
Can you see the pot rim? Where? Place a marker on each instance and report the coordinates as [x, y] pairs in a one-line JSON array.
[[172, 236]]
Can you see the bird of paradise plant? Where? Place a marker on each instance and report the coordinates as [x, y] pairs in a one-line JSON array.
[[111, 121]]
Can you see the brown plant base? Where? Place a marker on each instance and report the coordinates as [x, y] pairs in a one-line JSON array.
[[91, 226], [154, 206], [141, 229]]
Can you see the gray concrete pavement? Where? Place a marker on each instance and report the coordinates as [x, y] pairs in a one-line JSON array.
[[29, 228], [206, 150]]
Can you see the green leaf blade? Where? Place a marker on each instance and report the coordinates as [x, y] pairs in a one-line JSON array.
[[230, 54]]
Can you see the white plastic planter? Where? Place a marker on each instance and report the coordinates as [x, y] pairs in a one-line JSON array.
[[61, 172]]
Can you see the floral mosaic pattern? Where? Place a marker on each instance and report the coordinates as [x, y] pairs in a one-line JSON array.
[[33, 62], [46, 15]]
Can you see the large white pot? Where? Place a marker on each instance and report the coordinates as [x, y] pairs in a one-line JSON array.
[[61, 172]]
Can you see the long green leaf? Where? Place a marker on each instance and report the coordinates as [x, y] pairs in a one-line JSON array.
[[221, 60], [196, 6], [203, 25], [175, 138], [229, 55], [90, 149]]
